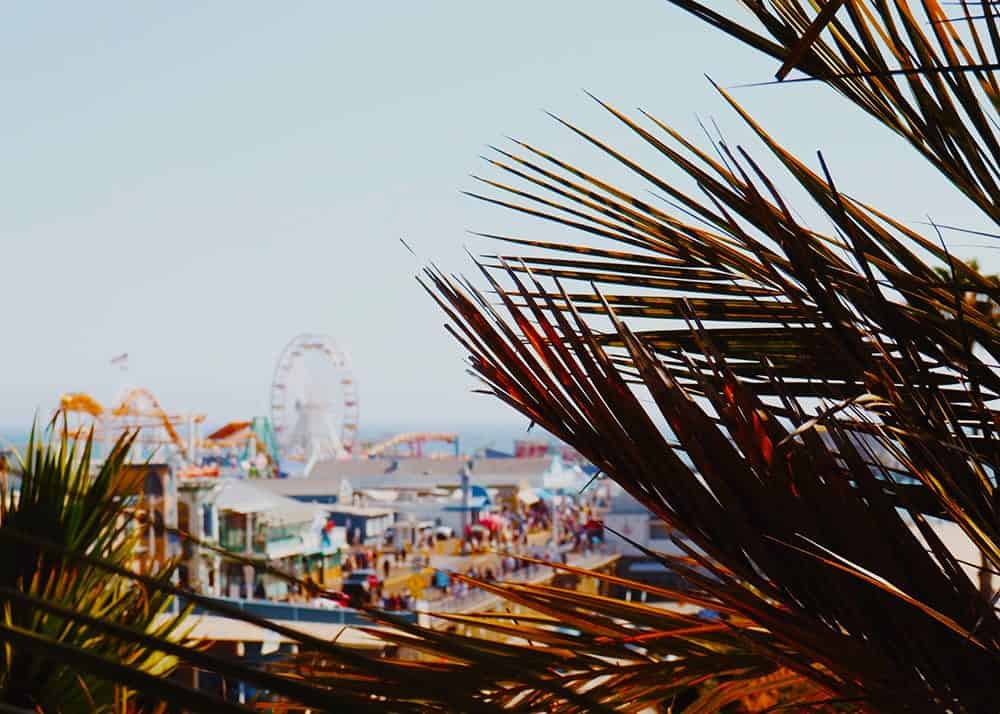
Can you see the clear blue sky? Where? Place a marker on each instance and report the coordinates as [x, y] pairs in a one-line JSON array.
[[195, 183]]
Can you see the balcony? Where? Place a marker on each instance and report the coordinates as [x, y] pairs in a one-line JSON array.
[[278, 543], [233, 539]]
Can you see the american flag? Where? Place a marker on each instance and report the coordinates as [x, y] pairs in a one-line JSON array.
[[121, 361]]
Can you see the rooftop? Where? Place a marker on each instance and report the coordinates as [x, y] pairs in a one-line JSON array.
[[245, 497], [397, 471], [365, 511], [421, 474]]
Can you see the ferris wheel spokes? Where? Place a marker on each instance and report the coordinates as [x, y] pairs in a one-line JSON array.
[[314, 401]]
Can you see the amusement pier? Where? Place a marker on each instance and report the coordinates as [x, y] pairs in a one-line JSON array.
[[254, 509]]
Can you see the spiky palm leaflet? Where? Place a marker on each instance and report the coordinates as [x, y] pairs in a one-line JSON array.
[[747, 324]]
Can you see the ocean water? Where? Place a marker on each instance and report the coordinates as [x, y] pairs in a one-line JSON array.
[[471, 437], [12, 437]]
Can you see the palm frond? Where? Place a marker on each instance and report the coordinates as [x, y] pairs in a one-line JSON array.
[[822, 392]]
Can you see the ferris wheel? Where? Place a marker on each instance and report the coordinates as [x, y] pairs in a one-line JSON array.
[[314, 401]]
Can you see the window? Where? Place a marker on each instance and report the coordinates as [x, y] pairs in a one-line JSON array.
[[154, 483], [207, 521]]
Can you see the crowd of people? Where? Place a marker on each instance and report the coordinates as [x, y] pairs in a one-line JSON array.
[[493, 541], [505, 566], [359, 559], [397, 601], [575, 526]]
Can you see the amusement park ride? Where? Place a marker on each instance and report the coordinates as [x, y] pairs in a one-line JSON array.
[[135, 410], [157, 433], [314, 401], [409, 444], [314, 417]]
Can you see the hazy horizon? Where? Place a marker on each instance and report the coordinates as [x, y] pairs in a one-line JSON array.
[[471, 436]]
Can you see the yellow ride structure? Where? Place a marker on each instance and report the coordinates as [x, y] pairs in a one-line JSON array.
[[162, 435], [137, 409]]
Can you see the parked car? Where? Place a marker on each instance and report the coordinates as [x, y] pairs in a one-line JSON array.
[[328, 603], [362, 587], [444, 532]]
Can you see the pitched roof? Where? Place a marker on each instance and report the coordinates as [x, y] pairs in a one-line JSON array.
[[242, 496], [409, 474], [421, 472], [361, 469]]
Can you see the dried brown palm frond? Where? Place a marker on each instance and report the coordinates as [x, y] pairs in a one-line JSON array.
[[924, 69], [583, 653], [827, 396]]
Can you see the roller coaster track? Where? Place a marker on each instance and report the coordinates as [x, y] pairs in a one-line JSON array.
[[413, 439]]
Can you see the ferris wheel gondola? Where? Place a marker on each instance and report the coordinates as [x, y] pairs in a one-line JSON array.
[[314, 401]]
